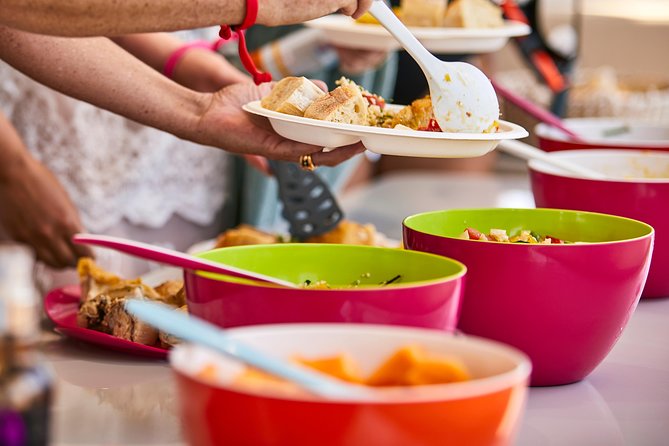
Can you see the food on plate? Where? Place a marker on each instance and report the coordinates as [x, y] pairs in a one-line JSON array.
[[292, 95], [344, 104], [417, 116], [347, 232], [473, 14], [349, 103], [245, 235], [500, 235], [167, 340], [408, 366], [423, 12], [102, 305], [443, 13]]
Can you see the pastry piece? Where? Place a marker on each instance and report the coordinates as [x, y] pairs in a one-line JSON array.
[[92, 312], [349, 233], [94, 280], [166, 339], [245, 235], [417, 115], [344, 104], [292, 95], [118, 322], [172, 293], [473, 14], [423, 12]]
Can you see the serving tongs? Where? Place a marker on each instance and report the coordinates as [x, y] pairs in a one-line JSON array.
[[309, 205]]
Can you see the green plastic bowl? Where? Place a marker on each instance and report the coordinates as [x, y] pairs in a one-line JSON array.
[[428, 293]]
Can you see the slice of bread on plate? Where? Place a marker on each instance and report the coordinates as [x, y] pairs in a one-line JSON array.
[[428, 13], [345, 104], [473, 14], [292, 95]]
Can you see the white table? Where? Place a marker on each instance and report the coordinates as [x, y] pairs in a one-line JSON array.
[[108, 398]]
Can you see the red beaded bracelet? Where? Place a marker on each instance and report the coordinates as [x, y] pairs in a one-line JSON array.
[[226, 32]]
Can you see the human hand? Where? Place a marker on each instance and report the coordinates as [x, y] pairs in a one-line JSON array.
[[37, 211], [286, 12], [354, 61], [224, 124]]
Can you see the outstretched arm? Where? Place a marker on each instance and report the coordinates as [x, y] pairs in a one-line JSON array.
[[99, 72], [81, 18], [199, 69]]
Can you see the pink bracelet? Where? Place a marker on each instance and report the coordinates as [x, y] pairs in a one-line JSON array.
[[175, 57]]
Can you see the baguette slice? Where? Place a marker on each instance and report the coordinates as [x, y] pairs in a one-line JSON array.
[[428, 13], [292, 95], [344, 104], [473, 14]]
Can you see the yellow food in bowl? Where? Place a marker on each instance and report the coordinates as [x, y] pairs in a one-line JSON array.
[[410, 365]]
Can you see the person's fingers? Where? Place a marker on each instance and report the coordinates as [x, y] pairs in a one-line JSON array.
[[363, 6], [44, 255], [337, 155], [81, 250], [62, 252], [320, 84], [261, 122], [258, 162]]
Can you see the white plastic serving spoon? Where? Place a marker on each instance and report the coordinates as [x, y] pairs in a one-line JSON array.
[[463, 98], [198, 331], [527, 152]]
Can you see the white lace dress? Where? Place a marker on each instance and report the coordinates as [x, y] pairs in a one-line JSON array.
[[125, 178]]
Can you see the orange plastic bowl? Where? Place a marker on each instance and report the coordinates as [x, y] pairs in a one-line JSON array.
[[483, 411]]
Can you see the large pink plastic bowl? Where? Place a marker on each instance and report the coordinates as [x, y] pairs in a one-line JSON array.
[[640, 191], [563, 305], [604, 133], [428, 294]]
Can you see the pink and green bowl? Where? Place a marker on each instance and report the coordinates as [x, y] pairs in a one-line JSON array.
[[565, 306], [428, 293]]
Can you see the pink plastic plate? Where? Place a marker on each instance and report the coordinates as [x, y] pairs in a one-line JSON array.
[[61, 305]]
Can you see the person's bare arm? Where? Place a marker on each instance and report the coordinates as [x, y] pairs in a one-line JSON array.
[[199, 69], [81, 18], [36, 209], [100, 72]]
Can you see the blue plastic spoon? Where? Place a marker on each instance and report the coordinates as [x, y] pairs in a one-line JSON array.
[[197, 331]]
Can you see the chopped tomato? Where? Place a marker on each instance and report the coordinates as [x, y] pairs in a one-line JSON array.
[[375, 100], [555, 240], [474, 234], [432, 126]]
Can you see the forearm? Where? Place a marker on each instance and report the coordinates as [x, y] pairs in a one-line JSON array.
[[151, 48], [82, 18], [199, 69], [97, 71], [13, 153]]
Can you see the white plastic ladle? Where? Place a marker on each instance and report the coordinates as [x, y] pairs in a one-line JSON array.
[[527, 152], [463, 98]]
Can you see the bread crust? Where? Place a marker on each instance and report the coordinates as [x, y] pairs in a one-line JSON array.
[[292, 95], [345, 104]]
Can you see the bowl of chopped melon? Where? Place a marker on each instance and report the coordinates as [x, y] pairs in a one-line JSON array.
[[421, 387], [559, 285]]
